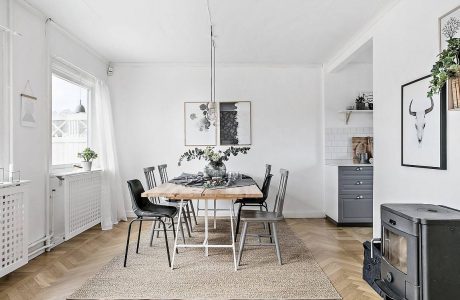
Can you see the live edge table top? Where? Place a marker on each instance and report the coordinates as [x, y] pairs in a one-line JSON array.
[[179, 192]]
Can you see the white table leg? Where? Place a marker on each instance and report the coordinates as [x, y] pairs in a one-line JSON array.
[[233, 236], [215, 210], [206, 227], [177, 232]]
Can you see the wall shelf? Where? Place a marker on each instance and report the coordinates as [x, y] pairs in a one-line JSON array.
[[348, 113]]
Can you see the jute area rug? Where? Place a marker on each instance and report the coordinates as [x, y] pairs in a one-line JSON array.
[[195, 276]]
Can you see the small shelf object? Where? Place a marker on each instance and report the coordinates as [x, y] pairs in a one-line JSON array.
[[348, 113]]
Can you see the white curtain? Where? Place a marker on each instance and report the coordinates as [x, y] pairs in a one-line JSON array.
[[113, 197]]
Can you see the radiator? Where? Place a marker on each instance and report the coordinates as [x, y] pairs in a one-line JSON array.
[[13, 228], [82, 204]]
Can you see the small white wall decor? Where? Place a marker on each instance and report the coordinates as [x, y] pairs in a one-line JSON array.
[[28, 114], [199, 129]]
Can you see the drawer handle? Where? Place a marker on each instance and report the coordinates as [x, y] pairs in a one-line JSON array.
[[359, 182], [360, 197], [392, 222], [358, 169]]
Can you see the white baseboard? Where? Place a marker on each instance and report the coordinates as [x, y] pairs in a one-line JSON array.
[[304, 214], [287, 214]]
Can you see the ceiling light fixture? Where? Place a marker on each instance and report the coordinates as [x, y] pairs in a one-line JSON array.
[[212, 109], [80, 108]]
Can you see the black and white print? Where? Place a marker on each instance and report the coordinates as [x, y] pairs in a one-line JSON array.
[[423, 126], [449, 27], [235, 123], [200, 128]]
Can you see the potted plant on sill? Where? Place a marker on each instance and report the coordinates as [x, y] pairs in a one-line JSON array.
[[88, 155], [360, 103], [215, 166], [447, 69]]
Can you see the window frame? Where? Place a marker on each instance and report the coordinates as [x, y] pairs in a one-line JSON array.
[[78, 78]]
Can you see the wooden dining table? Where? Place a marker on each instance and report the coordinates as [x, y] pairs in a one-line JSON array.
[[182, 193]]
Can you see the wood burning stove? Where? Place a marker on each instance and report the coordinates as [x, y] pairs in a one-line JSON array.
[[420, 252]]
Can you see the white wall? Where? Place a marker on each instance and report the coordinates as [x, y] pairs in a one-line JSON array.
[[286, 122], [405, 48], [30, 62], [341, 90]]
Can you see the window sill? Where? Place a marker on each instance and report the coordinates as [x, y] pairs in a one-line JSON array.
[[67, 172]]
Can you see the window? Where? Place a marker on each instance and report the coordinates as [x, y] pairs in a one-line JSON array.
[[69, 122]]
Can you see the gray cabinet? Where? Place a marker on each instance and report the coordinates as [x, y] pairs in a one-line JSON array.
[[355, 194]]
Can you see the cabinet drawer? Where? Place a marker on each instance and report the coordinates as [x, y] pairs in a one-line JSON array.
[[356, 184], [357, 209], [365, 195], [356, 171]]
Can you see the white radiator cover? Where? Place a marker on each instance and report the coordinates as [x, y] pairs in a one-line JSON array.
[[82, 202], [13, 228]]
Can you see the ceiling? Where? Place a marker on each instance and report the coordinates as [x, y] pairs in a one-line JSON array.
[[248, 31]]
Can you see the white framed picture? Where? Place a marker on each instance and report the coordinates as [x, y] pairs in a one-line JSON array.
[[449, 27], [423, 126], [199, 127]]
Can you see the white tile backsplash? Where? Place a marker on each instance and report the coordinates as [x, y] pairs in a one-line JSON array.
[[338, 142]]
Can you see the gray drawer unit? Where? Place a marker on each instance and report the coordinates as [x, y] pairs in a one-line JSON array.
[[355, 195]]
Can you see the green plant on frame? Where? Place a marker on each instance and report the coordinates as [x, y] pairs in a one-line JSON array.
[[447, 66]]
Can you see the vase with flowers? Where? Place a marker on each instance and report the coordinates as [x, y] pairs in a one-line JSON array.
[[215, 158]]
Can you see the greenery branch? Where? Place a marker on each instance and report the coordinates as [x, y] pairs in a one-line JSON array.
[[447, 66], [215, 158]]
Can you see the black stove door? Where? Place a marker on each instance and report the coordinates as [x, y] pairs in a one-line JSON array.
[[400, 252]]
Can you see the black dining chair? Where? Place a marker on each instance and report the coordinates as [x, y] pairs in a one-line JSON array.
[[149, 173], [258, 202], [147, 211], [162, 169]]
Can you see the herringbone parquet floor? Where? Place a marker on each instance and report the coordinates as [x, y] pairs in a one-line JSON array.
[[57, 274]]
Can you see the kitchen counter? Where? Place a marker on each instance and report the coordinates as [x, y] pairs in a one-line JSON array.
[[345, 163]]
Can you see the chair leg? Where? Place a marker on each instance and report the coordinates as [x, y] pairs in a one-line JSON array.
[[238, 222], [215, 214], [166, 241], [242, 240], [277, 243], [174, 232], [139, 236], [181, 227], [189, 217], [193, 212], [184, 215], [127, 242], [154, 225]]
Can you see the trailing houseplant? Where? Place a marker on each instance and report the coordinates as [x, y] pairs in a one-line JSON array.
[[447, 68], [215, 158], [88, 155]]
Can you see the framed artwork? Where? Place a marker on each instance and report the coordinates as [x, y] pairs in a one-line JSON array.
[[423, 126], [449, 27], [28, 111], [235, 123], [198, 128]]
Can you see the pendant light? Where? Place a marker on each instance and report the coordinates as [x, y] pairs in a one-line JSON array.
[[212, 107], [80, 108]]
